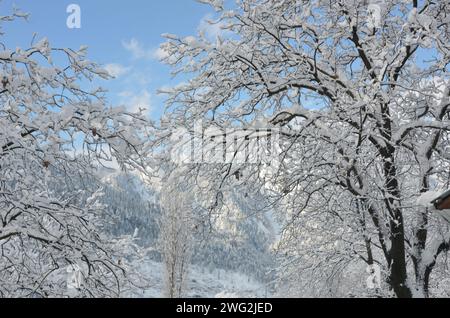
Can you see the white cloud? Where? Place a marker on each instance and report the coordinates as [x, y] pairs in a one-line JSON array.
[[134, 47], [139, 77], [136, 102], [212, 28], [116, 70], [139, 51], [216, 4], [160, 54]]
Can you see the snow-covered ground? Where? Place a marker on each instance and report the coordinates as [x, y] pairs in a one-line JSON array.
[[204, 283]]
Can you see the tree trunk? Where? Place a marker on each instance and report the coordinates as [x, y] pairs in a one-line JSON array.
[[398, 274], [398, 269]]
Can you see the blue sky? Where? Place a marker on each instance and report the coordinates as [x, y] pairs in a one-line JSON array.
[[122, 34]]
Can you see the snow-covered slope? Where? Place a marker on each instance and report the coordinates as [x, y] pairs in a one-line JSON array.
[[203, 283]]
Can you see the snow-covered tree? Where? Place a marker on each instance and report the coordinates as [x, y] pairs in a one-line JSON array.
[[176, 237], [358, 94], [239, 236], [55, 127], [133, 207]]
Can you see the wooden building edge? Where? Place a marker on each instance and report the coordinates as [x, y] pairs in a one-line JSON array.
[[442, 202]]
